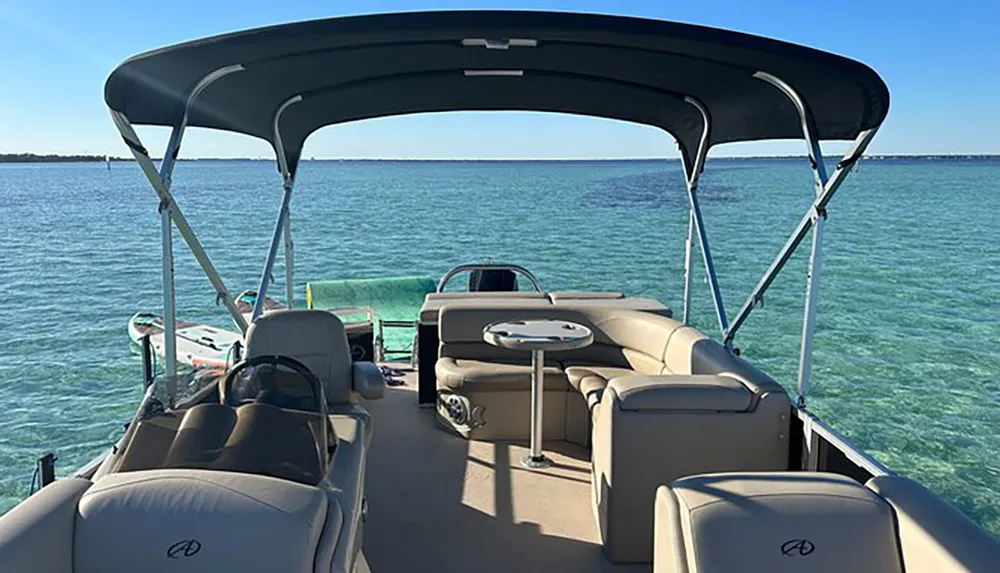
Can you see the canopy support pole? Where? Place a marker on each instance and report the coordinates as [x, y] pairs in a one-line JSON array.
[[288, 183], [161, 181], [289, 263], [812, 220], [845, 166], [167, 244], [687, 268], [692, 173]]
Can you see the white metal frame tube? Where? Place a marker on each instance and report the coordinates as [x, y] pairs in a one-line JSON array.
[[289, 263], [692, 174], [169, 300], [809, 133], [272, 252], [161, 181], [288, 185], [687, 268], [167, 245], [805, 224]]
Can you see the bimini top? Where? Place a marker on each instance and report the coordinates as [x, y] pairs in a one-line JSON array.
[[638, 70]]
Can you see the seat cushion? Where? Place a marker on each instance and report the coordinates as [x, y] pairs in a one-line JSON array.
[[567, 295], [681, 393], [199, 521], [481, 376], [575, 373], [591, 380], [773, 522]]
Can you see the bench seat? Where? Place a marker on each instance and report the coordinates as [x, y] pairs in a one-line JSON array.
[[495, 376]]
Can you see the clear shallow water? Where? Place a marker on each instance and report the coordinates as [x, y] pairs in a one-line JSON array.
[[907, 361]]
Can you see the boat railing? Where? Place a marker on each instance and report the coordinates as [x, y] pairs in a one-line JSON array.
[[489, 267]]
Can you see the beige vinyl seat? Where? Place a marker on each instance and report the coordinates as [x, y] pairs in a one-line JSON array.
[[653, 398], [198, 521], [217, 488], [776, 522], [318, 340]]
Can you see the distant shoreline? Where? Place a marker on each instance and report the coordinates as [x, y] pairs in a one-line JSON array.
[[35, 158]]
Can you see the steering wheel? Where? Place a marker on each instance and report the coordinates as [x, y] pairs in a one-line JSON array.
[[268, 391]]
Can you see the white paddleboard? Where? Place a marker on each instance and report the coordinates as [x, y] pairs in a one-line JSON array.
[[198, 345]]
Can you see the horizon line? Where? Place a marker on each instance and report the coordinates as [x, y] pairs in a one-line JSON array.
[[29, 157]]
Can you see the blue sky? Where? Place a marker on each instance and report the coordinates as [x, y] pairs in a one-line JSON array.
[[941, 61]]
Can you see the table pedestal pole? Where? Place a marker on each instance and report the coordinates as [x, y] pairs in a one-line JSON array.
[[537, 459]]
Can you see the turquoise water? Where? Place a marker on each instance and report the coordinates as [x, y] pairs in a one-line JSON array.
[[907, 361]]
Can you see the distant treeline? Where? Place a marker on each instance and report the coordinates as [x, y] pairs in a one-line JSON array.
[[32, 158]]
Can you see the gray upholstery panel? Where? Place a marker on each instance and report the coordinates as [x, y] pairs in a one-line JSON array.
[[481, 376], [435, 301], [201, 436], [367, 380], [346, 479], [37, 534], [484, 295], [573, 295], [774, 522], [131, 521], [268, 440], [649, 305], [315, 338], [641, 331], [635, 451], [150, 443], [507, 415], [935, 537], [674, 393], [578, 372]]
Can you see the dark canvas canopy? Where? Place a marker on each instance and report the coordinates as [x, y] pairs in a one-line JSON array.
[[631, 69]]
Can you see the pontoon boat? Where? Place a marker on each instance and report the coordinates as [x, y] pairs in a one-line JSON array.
[[542, 431]]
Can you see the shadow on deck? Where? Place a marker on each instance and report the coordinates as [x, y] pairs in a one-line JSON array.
[[439, 502]]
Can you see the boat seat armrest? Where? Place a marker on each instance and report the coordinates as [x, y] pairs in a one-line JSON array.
[[368, 380], [680, 393], [37, 535], [934, 536]]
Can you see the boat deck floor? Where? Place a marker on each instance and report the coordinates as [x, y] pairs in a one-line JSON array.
[[439, 502]]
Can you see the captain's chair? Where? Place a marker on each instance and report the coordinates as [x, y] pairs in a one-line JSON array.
[[318, 340], [249, 506]]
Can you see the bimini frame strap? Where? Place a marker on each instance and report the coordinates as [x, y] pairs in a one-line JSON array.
[[696, 224], [160, 181], [812, 220]]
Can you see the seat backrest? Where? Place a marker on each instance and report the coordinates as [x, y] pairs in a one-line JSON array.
[[626, 338], [199, 521], [315, 338], [434, 301], [690, 352], [773, 522]]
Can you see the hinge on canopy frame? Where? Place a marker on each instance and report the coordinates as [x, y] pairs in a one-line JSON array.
[[818, 212]]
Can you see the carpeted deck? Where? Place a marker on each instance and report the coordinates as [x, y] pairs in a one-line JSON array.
[[441, 503]]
